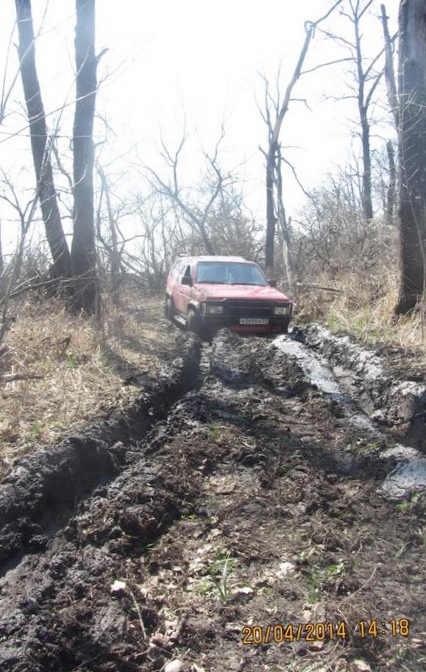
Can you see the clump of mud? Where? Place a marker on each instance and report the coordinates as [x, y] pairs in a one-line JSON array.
[[242, 362]]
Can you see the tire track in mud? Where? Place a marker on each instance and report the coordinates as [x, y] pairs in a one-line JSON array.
[[252, 503], [388, 400], [43, 488]]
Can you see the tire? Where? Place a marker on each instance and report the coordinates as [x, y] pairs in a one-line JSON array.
[[192, 323], [169, 310]]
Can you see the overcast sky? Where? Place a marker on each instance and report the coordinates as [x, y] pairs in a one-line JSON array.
[[171, 62]]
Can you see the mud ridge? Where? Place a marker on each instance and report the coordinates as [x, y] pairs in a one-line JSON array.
[[390, 401], [44, 487]]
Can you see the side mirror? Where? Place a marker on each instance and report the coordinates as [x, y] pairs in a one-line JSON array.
[[272, 283], [187, 280]]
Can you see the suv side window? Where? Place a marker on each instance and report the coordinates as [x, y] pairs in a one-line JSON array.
[[187, 272]]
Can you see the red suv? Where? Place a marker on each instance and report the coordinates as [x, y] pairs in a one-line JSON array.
[[207, 293]]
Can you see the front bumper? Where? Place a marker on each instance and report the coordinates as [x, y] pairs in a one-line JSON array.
[[213, 325]]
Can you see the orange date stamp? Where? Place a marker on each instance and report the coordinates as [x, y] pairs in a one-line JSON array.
[[254, 635]]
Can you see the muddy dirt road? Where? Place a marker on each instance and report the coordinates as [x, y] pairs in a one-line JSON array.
[[240, 517]]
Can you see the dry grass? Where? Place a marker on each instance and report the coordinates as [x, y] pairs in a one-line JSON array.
[[57, 372], [364, 308]]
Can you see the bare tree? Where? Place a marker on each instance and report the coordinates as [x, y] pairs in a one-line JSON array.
[[274, 185], [393, 106], [161, 238], [412, 153], [40, 143], [367, 74], [8, 83], [389, 68], [367, 81], [392, 184], [83, 250], [273, 154], [163, 233], [334, 243], [11, 271], [233, 229], [196, 211], [113, 243]]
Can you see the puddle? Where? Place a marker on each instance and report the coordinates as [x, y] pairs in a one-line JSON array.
[[410, 474], [366, 362], [318, 374]]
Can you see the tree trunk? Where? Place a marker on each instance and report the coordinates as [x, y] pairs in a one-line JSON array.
[[113, 247], [412, 153], [271, 219], [391, 193], [83, 251], [393, 106], [39, 143], [284, 225], [1, 256], [389, 69], [367, 198], [363, 104]]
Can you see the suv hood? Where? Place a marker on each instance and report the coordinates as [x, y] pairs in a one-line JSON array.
[[217, 292]]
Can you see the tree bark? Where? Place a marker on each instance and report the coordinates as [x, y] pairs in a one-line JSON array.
[[83, 251], [412, 153], [271, 219], [392, 186], [393, 106], [39, 143], [367, 198], [363, 105], [113, 247], [389, 69], [284, 225], [1, 256]]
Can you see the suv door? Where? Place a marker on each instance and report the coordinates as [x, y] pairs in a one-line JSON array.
[[172, 281], [183, 292]]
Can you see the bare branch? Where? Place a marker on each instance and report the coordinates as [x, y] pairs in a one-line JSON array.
[[330, 11], [325, 65], [275, 208], [301, 100], [389, 69], [338, 38], [373, 89], [295, 175]]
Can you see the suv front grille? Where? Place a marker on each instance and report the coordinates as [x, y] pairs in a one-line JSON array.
[[243, 308]]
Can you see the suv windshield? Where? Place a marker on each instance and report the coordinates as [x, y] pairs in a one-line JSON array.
[[229, 273]]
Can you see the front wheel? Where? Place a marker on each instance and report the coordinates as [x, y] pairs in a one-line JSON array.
[[192, 322], [169, 309]]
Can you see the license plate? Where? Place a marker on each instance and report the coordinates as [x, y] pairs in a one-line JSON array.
[[254, 320]]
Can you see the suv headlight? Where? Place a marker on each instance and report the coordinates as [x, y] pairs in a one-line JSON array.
[[212, 309], [282, 310]]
